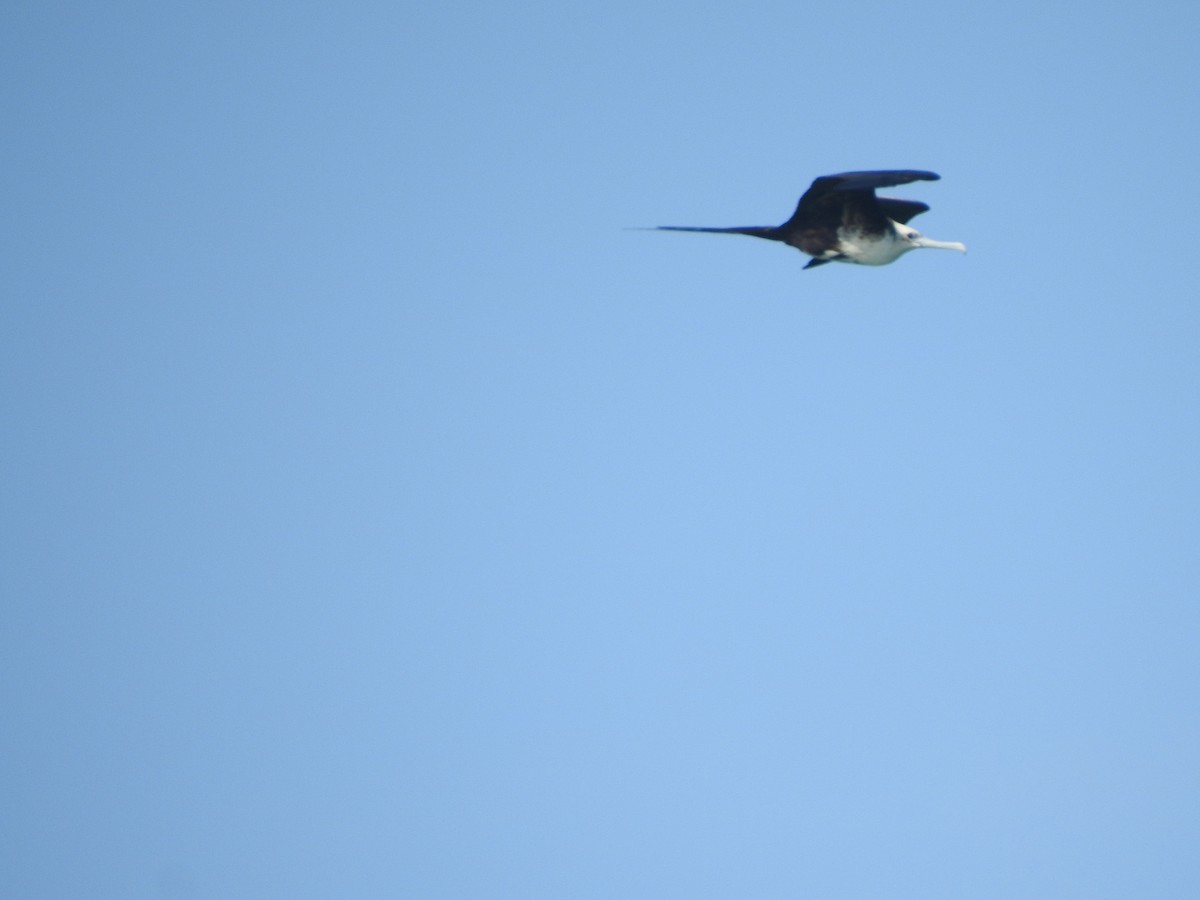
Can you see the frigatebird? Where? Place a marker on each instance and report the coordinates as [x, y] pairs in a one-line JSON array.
[[839, 219]]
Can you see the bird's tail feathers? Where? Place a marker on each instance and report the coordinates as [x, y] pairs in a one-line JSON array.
[[770, 232]]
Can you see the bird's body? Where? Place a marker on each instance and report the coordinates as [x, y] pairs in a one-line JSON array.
[[839, 219]]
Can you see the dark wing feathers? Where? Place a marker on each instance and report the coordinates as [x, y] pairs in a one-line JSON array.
[[869, 181], [901, 210], [825, 201]]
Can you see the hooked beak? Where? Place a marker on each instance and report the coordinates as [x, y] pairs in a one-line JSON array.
[[940, 245]]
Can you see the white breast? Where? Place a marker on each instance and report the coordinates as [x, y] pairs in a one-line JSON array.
[[871, 249]]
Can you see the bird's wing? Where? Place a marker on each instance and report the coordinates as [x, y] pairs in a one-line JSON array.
[[869, 181], [901, 210], [817, 201]]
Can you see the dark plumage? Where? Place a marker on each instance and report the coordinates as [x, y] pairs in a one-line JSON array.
[[840, 219]]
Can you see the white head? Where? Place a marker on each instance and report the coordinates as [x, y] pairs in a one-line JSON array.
[[912, 239]]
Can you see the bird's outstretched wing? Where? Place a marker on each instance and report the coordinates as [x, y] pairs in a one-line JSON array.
[[901, 210], [869, 181], [821, 197]]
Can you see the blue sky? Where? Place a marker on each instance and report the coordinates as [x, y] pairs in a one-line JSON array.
[[383, 518]]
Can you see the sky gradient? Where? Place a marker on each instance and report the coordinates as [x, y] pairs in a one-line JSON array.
[[382, 517]]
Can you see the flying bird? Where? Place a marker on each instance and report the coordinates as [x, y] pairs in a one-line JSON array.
[[839, 219]]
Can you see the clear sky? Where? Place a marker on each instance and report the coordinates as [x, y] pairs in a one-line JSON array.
[[383, 518]]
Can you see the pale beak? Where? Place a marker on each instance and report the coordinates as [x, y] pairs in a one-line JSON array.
[[940, 245]]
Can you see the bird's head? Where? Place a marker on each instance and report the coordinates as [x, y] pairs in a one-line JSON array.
[[914, 239]]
